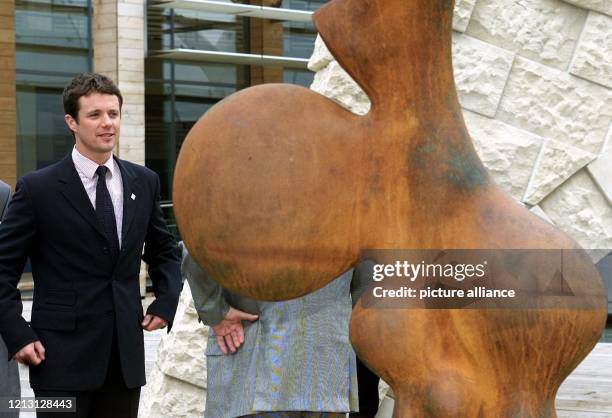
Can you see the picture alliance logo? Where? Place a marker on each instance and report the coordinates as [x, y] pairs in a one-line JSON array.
[[413, 272]]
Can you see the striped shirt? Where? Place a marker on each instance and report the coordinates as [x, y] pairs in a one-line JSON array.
[[87, 172]]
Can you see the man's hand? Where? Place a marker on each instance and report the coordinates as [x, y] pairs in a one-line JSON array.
[[153, 322], [230, 332], [32, 354]]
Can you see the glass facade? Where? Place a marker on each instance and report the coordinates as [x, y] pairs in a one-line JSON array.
[[53, 43], [178, 93]]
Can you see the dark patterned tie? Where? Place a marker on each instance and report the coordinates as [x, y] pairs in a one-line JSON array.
[[105, 211]]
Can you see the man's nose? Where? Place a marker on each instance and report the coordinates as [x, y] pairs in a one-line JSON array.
[[106, 120]]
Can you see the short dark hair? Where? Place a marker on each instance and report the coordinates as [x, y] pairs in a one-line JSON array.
[[85, 84]]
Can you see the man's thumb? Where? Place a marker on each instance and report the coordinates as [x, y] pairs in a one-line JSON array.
[[249, 317]]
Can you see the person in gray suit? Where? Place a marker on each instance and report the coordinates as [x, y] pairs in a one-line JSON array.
[[9, 373], [277, 359]]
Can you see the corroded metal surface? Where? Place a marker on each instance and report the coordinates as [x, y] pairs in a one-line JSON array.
[[278, 189]]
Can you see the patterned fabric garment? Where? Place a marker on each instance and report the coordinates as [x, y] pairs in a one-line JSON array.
[[86, 170], [296, 414], [296, 357]]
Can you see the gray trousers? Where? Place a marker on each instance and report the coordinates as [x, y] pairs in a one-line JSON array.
[[9, 380]]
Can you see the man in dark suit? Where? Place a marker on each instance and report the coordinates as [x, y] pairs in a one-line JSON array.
[[83, 222]]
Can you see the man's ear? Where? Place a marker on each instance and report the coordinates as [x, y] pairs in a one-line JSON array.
[[72, 124]]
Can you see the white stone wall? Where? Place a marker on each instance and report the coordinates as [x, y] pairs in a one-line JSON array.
[[535, 81], [176, 386]]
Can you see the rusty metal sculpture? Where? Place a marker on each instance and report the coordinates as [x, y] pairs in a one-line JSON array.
[[278, 189]]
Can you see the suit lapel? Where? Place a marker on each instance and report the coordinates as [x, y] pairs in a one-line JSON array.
[[131, 195], [76, 195]]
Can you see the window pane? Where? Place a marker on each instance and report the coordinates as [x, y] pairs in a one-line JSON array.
[[52, 45], [299, 77], [42, 135], [43, 26], [209, 31], [55, 61]]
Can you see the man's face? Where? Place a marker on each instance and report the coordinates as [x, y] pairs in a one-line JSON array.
[[98, 126]]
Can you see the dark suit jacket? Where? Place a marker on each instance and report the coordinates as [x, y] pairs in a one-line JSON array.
[[81, 292]]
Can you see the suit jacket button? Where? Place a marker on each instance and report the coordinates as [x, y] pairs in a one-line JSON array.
[[105, 250]]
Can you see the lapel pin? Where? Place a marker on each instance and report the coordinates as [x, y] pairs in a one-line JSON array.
[[133, 196]]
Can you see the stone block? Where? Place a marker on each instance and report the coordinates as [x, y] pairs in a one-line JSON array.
[[601, 173], [7, 158], [7, 22], [130, 9], [334, 83], [133, 34], [385, 409], [107, 67], [105, 36], [593, 57], [7, 117], [166, 397], [556, 105], [608, 143], [181, 352], [129, 151], [132, 88], [8, 89], [384, 390], [508, 153], [556, 163], [105, 50], [127, 64], [7, 63], [132, 44], [463, 12], [481, 71], [579, 209], [132, 141], [320, 56], [105, 21], [131, 53], [133, 109], [542, 30], [129, 131], [131, 22], [7, 50], [133, 98], [538, 211], [8, 141], [134, 120], [603, 6], [133, 154]]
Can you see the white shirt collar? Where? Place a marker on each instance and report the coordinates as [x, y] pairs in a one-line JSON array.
[[88, 167]]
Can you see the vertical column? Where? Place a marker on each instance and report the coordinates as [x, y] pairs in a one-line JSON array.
[[119, 51], [8, 119], [266, 38]]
